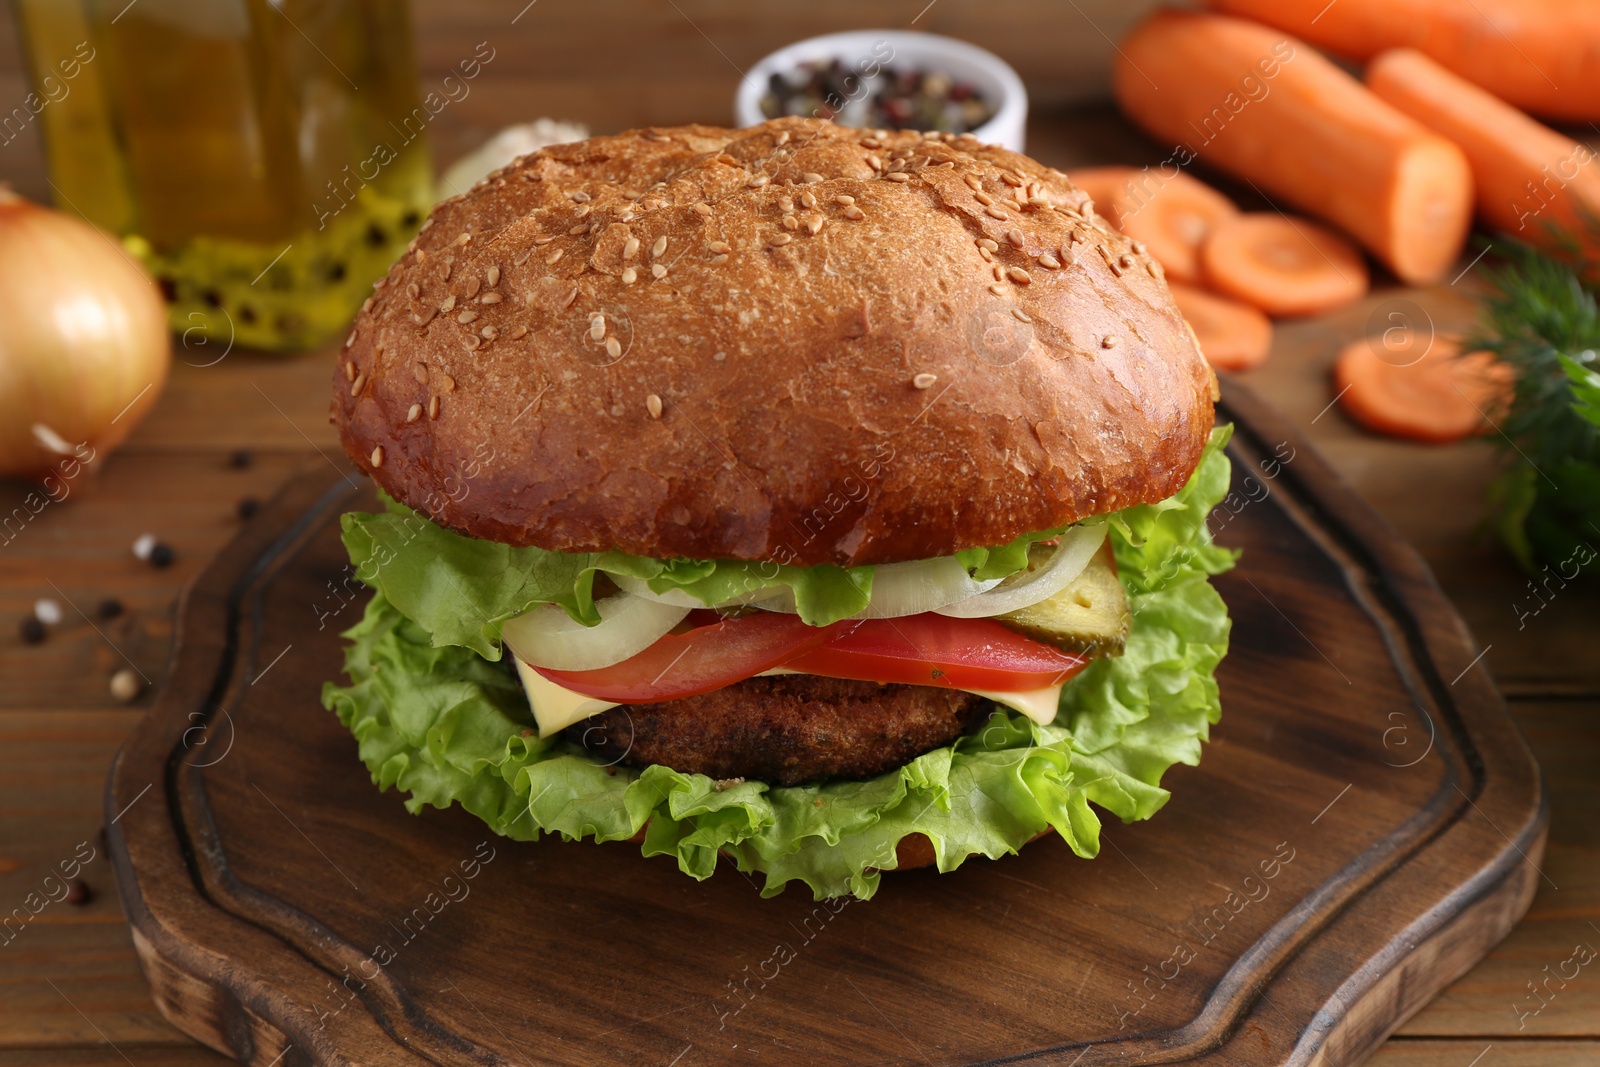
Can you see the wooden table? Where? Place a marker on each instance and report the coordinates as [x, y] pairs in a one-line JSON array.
[[70, 992]]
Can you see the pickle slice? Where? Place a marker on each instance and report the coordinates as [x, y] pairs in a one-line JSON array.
[[1089, 616]]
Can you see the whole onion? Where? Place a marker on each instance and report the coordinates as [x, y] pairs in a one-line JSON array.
[[84, 350]]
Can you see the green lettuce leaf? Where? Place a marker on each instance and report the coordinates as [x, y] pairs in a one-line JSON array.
[[440, 722]]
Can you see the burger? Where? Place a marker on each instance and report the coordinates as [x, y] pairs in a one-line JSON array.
[[815, 500]]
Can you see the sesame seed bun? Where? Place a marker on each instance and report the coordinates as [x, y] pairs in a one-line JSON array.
[[794, 342]]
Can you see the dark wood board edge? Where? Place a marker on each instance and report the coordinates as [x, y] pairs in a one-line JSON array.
[[239, 1029]]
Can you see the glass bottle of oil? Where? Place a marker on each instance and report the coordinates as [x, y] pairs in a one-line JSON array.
[[264, 158]]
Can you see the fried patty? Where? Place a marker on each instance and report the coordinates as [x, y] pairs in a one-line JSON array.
[[784, 729]]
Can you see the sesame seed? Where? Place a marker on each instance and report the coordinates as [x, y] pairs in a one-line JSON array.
[[786, 204], [413, 290], [449, 265], [988, 245], [1016, 238], [1010, 179], [489, 333], [466, 316], [703, 209], [582, 212], [791, 223], [449, 384], [355, 386], [630, 248], [490, 298], [924, 380], [520, 331], [807, 199], [869, 142], [1108, 341], [719, 259], [995, 213], [433, 407], [419, 371], [984, 252], [900, 177], [349, 370], [719, 247], [554, 257], [580, 196], [811, 176], [1069, 254], [659, 270], [1020, 276], [1049, 262], [758, 181], [463, 238], [782, 138], [814, 224], [1153, 267], [983, 198], [854, 213], [874, 162], [570, 297], [414, 412], [473, 285], [597, 328], [782, 238], [377, 456], [1039, 201], [845, 200], [1125, 261], [1020, 315], [448, 305], [998, 290], [725, 159], [629, 276], [659, 247], [473, 342], [652, 404], [544, 238], [613, 347], [426, 224], [582, 227], [493, 274], [999, 273]]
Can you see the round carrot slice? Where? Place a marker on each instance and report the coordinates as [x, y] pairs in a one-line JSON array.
[[1282, 265], [1173, 216], [1408, 384], [1232, 336]]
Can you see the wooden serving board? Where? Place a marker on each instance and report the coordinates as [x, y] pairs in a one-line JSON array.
[[1365, 824]]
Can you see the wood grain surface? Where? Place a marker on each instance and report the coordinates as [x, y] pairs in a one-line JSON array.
[[1366, 827], [70, 990]]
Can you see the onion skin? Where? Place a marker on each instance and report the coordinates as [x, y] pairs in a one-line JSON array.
[[83, 333]]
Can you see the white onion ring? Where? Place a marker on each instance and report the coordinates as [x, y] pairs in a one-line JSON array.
[[548, 637], [1077, 548], [900, 589]]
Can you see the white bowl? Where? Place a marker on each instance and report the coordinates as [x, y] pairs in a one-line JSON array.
[[867, 51]]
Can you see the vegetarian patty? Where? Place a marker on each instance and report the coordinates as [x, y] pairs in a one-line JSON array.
[[784, 729]]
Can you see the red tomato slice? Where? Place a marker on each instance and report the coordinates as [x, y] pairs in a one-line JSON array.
[[931, 649], [699, 660], [925, 649]]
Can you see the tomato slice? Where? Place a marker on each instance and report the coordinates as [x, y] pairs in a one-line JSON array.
[[937, 650], [926, 649], [699, 660]]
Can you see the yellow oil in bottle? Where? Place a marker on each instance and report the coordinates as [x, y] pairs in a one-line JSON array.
[[265, 160]]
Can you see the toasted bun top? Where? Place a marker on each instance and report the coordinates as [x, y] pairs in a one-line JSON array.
[[794, 342]]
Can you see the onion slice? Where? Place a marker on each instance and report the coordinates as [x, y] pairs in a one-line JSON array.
[[548, 637], [900, 589], [1077, 548]]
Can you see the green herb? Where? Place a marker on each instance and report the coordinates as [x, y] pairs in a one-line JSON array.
[[1542, 319]]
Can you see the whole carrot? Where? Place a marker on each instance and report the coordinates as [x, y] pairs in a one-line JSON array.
[[1268, 108]]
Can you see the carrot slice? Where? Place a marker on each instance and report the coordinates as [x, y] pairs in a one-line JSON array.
[[1171, 214], [1281, 265], [1406, 385], [1232, 336]]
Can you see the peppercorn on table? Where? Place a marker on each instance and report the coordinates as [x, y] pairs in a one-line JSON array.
[[98, 564]]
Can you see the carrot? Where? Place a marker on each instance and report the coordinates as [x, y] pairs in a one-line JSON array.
[[1526, 174], [1271, 110], [1169, 213], [1232, 336], [1406, 385], [1281, 265], [1539, 55]]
